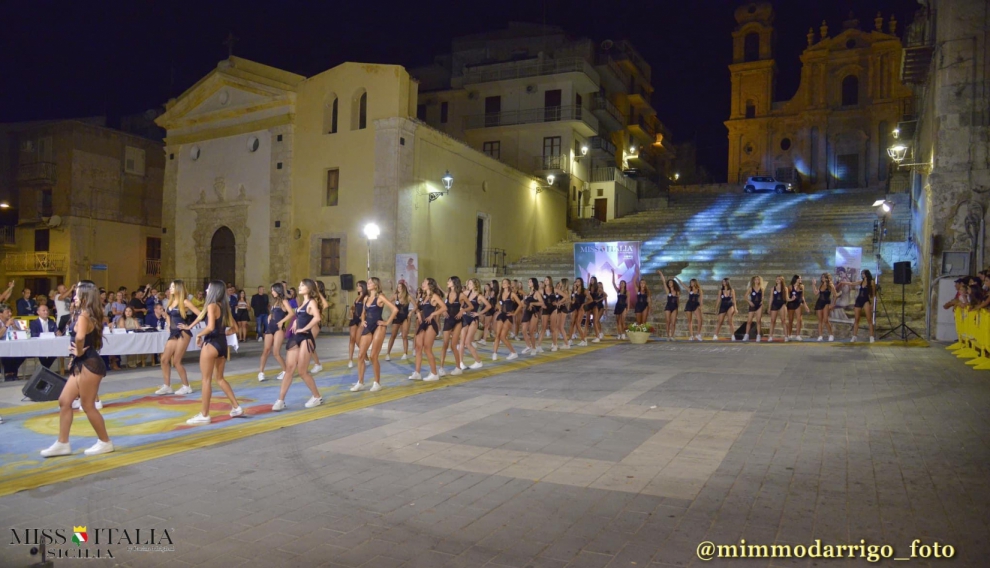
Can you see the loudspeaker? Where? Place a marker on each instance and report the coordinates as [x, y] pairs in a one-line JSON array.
[[347, 282], [44, 385], [741, 331], [902, 272]]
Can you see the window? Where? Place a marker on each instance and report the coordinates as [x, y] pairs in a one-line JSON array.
[[493, 149], [551, 146], [41, 240], [421, 112], [329, 115], [551, 104], [363, 112], [443, 113], [850, 91], [333, 186], [493, 110], [751, 47], [153, 248], [46, 203], [134, 160], [329, 257], [750, 109]]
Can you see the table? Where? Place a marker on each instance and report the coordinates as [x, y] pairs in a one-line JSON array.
[[113, 344]]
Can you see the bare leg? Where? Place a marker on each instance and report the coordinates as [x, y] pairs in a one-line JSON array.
[[89, 386], [376, 347], [429, 336], [207, 359], [219, 366], [364, 342], [292, 361], [166, 358], [69, 394]]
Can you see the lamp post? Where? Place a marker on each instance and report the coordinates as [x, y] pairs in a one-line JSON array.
[[371, 231]]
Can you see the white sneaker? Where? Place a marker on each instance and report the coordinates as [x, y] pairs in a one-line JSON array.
[[314, 401], [786, 338], [714, 338], [547, 334], [533, 353], [525, 351], [457, 371], [745, 337], [431, 378], [236, 411], [184, 389], [871, 339], [819, 338], [350, 364], [442, 372], [583, 343], [482, 342], [280, 376], [553, 349], [566, 345], [462, 365], [494, 356], [758, 338], [852, 339], [601, 336], [278, 406], [596, 340], [700, 338], [405, 356], [261, 377], [315, 369], [76, 404], [198, 419], [831, 338], [798, 338], [512, 356], [477, 365], [732, 337], [512, 335], [690, 338], [539, 350], [388, 357], [375, 387], [100, 447], [415, 377], [357, 387], [574, 335], [165, 389], [57, 449], [260, 339]]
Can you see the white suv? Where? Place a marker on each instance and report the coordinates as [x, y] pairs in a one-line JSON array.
[[766, 183]]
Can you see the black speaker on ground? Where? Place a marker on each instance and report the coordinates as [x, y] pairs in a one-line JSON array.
[[741, 331], [45, 385], [902, 272], [347, 282]]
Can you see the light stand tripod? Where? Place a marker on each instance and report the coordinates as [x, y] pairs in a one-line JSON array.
[[879, 230], [902, 327]]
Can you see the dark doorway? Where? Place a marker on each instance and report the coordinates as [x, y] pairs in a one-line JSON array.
[[222, 251], [847, 171], [601, 210], [551, 105], [493, 111], [751, 47], [479, 244]]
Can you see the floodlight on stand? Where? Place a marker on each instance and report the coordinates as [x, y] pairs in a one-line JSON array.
[[883, 206], [372, 231]]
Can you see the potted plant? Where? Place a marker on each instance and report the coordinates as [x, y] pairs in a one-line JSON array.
[[639, 333]]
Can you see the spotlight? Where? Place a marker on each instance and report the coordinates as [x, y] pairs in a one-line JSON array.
[[883, 206], [4, 205]]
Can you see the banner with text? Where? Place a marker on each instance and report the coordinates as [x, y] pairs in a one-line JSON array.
[[600, 259], [848, 261]]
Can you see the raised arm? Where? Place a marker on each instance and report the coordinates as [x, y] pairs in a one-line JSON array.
[[6, 293]]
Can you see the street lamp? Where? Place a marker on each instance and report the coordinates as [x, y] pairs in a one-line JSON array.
[[897, 153], [448, 182], [550, 178], [4, 205], [371, 231]]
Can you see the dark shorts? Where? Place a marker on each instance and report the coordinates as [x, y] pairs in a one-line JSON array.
[[425, 325], [91, 361], [219, 342], [691, 306], [724, 307], [755, 308], [298, 339], [449, 323]]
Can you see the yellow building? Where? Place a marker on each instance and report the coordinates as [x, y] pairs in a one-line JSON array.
[[835, 130], [87, 202], [270, 175]]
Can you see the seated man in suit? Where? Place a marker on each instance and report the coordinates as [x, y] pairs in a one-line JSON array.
[[156, 319], [44, 324]]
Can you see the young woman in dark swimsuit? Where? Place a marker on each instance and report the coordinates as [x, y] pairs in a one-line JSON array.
[[508, 304], [86, 370], [301, 344], [532, 306], [475, 306], [692, 309], [795, 304], [754, 297], [621, 306], [178, 308], [642, 307], [373, 330], [578, 301], [213, 349], [430, 307], [452, 323], [864, 301], [549, 296], [324, 306], [354, 326], [592, 310], [400, 325], [823, 307], [487, 323], [559, 317], [726, 307], [778, 301], [673, 303], [280, 317]]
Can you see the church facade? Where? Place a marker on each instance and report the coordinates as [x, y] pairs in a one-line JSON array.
[[834, 132]]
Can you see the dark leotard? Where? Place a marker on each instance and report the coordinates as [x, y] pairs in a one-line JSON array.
[[453, 311], [426, 310], [692, 303], [372, 315], [824, 299], [90, 358], [797, 296], [358, 307], [642, 302], [528, 310], [402, 313], [726, 301], [174, 319], [467, 320], [298, 338], [756, 296], [621, 303], [548, 303], [672, 302], [863, 297], [277, 315], [778, 300], [217, 338], [507, 308]]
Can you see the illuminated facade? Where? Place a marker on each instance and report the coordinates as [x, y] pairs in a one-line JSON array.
[[545, 104], [835, 130]]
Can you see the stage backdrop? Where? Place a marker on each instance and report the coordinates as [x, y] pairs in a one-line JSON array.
[[599, 259], [848, 261], [407, 269]]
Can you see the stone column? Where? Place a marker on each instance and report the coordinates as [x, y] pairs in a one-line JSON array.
[[393, 194]]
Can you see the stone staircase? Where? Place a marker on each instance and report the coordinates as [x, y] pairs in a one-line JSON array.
[[710, 237]]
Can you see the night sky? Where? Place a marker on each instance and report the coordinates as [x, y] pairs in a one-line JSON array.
[[64, 60]]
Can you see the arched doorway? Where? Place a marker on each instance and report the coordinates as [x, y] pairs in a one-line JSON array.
[[222, 250]]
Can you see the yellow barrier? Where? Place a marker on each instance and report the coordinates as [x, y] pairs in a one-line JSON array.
[[959, 326]]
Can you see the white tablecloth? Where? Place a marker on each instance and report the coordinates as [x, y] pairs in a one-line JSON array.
[[113, 344]]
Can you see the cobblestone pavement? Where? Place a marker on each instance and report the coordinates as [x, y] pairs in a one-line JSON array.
[[629, 456]]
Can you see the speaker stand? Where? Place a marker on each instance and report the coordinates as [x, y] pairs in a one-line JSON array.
[[902, 327]]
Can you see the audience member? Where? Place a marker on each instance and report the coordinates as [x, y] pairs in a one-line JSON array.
[[26, 306], [259, 305], [44, 324]]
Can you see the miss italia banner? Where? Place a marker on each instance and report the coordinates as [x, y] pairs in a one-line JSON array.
[[600, 259], [848, 261]]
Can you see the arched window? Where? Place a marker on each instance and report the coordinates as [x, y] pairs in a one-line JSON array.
[[330, 114], [359, 110], [751, 47], [750, 108], [850, 91]]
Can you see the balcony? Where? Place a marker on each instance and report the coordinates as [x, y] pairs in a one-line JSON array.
[[530, 68], [639, 97], [642, 129], [37, 173], [615, 78], [7, 236], [603, 145], [607, 112], [587, 123], [28, 263], [915, 63], [546, 164], [153, 266], [612, 174]]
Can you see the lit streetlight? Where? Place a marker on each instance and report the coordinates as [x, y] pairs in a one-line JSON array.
[[371, 231]]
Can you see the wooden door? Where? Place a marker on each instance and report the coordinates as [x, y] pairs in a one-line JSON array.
[[222, 251], [601, 210]]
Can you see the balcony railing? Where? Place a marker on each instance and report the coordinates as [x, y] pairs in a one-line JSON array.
[[551, 163], [601, 103], [642, 124], [44, 262], [492, 258], [611, 65], [530, 116], [7, 235], [603, 144], [37, 172], [612, 174], [530, 68], [153, 266]]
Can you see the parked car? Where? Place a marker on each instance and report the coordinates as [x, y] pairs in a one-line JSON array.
[[767, 183]]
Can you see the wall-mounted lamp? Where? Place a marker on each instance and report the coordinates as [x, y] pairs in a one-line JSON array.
[[897, 153], [448, 182], [4, 205], [584, 150], [550, 179], [677, 176], [897, 133]]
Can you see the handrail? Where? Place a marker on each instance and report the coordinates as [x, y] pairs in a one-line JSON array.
[[530, 116], [35, 262], [531, 68], [601, 102]]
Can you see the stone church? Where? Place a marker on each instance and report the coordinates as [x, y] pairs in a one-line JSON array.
[[834, 131]]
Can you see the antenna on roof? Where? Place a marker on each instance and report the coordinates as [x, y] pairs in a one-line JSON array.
[[229, 42]]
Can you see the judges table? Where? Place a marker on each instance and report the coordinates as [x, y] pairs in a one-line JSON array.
[[152, 342]]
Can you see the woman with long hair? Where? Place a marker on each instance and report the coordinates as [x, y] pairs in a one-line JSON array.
[[242, 316], [642, 306], [301, 344], [400, 323], [517, 320], [755, 301], [777, 301], [431, 307], [373, 330], [864, 301], [547, 314], [578, 300], [593, 307], [533, 305], [178, 310], [475, 306], [823, 307], [452, 323], [354, 326], [508, 303], [487, 322], [282, 314], [213, 353], [559, 319], [621, 306], [86, 370], [726, 307], [324, 305], [693, 309], [794, 305], [673, 303]]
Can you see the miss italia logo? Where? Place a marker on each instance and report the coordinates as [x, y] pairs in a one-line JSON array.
[[79, 537]]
